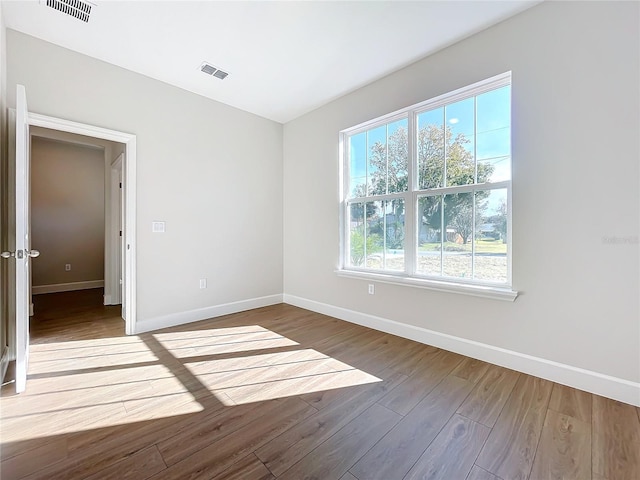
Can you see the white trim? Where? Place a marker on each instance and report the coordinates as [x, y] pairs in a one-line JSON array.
[[67, 287], [180, 318], [129, 184], [129, 277], [114, 213], [412, 195], [434, 192], [23, 237], [476, 290], [580, 378], [478, 88], [11, 206], [45, 121]]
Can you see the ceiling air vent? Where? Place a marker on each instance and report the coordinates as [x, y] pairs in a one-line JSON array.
[[208, 69], [76, 8], [220, 74], [211, 70]]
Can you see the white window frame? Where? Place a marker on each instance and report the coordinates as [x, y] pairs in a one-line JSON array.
[[409, 276]]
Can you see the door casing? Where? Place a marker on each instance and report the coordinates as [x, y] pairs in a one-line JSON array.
[[129, 201]]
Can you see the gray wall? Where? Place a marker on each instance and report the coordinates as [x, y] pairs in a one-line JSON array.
[[213, 173], [575, 184], [67, 211]]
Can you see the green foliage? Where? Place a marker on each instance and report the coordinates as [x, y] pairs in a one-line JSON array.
[[390, 163], [440, 154], [439, 148], [357, 211], [500, 220], [374, 245], [439, 151]]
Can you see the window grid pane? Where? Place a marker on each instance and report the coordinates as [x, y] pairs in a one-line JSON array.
[[490, 239], [459, 233], [378, 160], [430, 240], [357, 239], [377, 235]]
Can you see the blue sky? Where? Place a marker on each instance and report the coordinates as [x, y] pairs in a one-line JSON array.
[[491, 140]]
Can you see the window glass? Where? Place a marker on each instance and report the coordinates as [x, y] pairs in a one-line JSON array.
[[460, 164]]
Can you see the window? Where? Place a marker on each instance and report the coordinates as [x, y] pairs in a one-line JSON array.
[[427, 191]]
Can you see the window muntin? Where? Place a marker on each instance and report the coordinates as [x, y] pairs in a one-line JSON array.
[[377, 235], [439, 210], [379, 160]]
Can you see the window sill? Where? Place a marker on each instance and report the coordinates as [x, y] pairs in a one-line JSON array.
[[496, 293]]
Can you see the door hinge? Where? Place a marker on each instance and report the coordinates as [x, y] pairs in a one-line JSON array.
[[120, 184], [120, 232]]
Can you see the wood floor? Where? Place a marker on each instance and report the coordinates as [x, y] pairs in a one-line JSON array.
[[281, 392]]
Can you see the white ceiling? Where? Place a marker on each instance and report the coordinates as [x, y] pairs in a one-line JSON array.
[[284, 58]]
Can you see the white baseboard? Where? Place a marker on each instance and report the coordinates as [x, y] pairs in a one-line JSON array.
[[67, 287], [4, 363], [110, 300], [587, 380], [181, 318]]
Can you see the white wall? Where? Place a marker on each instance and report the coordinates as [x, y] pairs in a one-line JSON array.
[[67, 212], [575, 181], [212, 172]]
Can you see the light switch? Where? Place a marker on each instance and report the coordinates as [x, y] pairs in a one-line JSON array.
[[157, 227]]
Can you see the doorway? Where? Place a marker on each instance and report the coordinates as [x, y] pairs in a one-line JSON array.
[[128, 205], [74, 217], [20, 250]]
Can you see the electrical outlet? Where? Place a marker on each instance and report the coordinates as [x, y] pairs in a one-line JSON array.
[[67, 267], [203, 283], [372, 289]]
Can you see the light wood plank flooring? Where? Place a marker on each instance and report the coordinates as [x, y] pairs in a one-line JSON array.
[[281, 392]]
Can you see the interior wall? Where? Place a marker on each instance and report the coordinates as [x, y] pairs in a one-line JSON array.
[[111, 151], [213, 173], [67, 212], [576, 72]]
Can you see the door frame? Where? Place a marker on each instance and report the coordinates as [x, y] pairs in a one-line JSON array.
[[129, 211], [114, 265]]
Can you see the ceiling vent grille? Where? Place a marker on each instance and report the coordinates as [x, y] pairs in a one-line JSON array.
[[214, 71], [220, 74], [76, 8]]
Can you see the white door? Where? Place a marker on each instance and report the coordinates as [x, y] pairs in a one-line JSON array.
[[116, 265], [120, 249], [23, 251]]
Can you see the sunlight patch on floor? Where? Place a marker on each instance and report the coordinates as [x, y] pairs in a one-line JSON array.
[[83, 385], [87, 355], [223, 341]]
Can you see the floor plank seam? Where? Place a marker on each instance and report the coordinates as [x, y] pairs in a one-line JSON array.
[[537, 452], [348, 470], [504, 405]]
